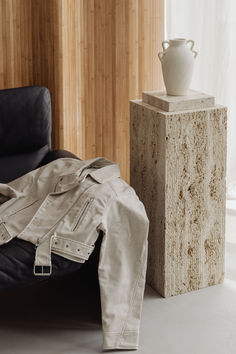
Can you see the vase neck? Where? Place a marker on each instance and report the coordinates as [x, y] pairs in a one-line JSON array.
[[177, 42]]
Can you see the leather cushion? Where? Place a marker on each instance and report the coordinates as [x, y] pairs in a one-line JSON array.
[[17, 261], [57, 154], [14, 166]]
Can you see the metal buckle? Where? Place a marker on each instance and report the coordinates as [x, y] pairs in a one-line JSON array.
[[42, 270]]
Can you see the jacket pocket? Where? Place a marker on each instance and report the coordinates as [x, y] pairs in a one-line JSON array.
[[82, 214]]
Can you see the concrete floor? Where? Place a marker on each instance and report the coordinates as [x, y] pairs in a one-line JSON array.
[[67, 320]]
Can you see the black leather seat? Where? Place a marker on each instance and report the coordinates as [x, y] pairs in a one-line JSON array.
[[25, 144]]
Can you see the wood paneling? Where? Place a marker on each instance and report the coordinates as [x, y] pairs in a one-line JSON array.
[[94, 56], [47, 53], [15, 43], [110, 50]]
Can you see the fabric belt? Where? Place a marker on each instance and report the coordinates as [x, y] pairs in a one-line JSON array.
[[42, 262], [65, 246]]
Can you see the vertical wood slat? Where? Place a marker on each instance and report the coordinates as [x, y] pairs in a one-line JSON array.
[[94, 56], [47, 58]]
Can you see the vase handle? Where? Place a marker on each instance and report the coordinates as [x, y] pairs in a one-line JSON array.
[[161, 55], [163, 44], [191, 41], [191, 47]]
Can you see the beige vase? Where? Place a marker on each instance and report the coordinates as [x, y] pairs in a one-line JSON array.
[[177, 61]]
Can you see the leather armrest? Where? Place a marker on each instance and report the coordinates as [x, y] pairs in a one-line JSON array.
[[57, 154]]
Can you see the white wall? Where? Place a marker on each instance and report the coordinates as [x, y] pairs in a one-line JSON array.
[[212, 25]]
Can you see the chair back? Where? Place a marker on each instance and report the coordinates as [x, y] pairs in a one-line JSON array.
[[25, 119]]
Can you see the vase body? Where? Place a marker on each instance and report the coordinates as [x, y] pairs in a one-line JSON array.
[[177, 61]]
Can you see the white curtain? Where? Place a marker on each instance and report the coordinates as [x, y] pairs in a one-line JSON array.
[[212, 25]]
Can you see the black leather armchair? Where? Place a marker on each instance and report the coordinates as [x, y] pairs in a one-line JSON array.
[[25, 144], [25, 131]]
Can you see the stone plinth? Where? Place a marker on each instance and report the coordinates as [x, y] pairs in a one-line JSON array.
[[178, 165], [194, 100]]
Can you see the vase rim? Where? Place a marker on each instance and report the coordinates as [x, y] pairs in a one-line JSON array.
[[178, 40]]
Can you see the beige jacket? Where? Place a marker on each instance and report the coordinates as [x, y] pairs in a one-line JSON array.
[[61, 207]]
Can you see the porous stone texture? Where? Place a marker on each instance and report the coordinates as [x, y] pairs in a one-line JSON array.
[[178, 165], [194, 100]]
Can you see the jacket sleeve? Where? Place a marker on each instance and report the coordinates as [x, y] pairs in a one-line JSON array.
[[16, 188], [122, 271], [6, 193]]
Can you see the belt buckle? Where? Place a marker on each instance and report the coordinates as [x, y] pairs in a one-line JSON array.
[[41, 271]]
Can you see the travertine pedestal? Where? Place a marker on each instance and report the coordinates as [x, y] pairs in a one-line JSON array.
[[178, 170]]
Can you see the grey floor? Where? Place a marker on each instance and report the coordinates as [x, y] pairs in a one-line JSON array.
[[67, 320]]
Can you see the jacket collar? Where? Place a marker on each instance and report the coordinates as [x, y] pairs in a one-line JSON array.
[[105, 169], [106, 173]]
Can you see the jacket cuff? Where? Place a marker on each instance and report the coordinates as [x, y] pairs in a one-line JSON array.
[[126, 340]]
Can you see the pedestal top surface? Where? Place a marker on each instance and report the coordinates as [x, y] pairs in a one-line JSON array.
[[168, 103]]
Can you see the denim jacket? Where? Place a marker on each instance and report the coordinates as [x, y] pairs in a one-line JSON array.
[[61, 208]]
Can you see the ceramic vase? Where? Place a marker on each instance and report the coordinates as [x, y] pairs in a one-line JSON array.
[[177, 61]]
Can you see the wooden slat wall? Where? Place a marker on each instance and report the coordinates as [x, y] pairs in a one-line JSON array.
[[47, 53], [94, 55], [15, 43], [111, 48]]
